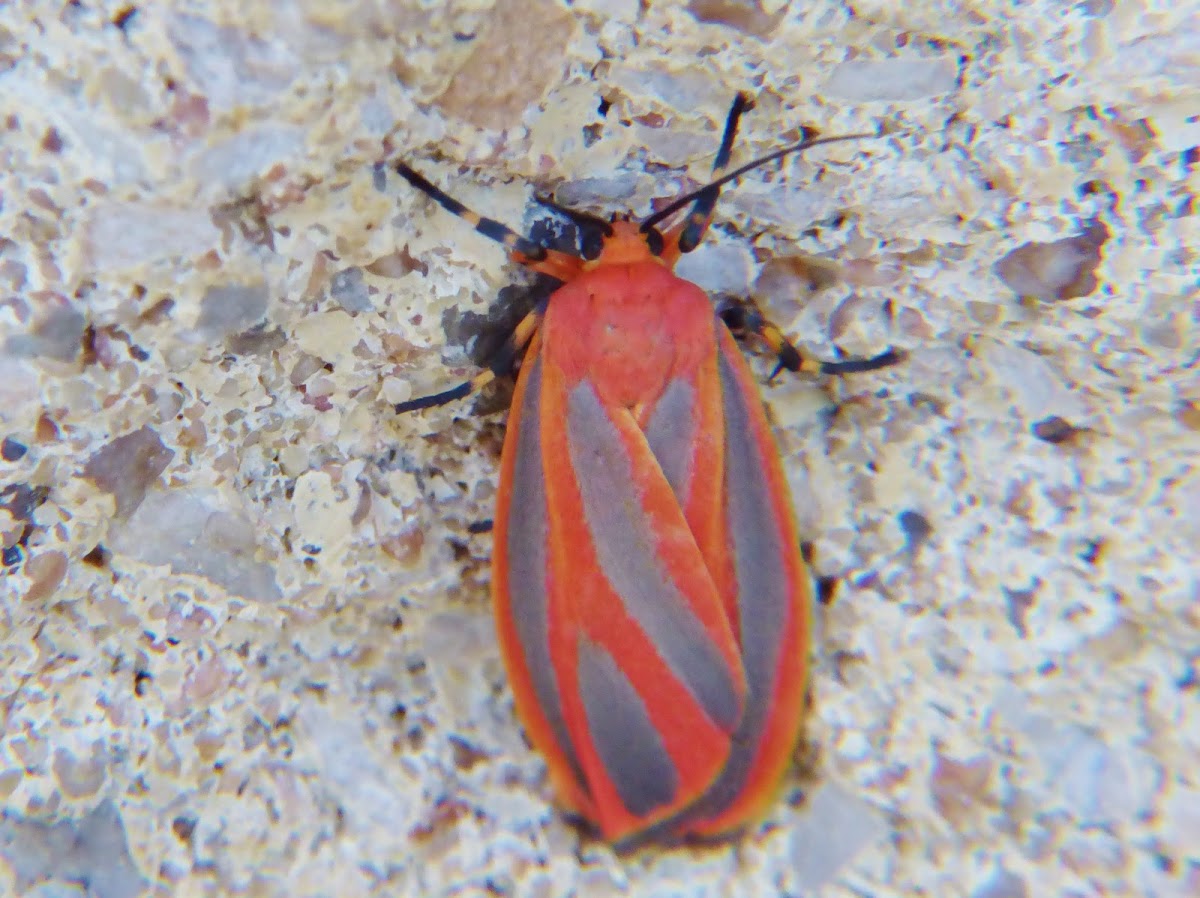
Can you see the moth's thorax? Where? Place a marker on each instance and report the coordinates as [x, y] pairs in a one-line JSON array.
[[629, 329]]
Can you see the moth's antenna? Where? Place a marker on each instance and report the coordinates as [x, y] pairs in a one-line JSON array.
[[720, 182]]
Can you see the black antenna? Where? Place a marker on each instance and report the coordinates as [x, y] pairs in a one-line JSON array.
[[720, 182]]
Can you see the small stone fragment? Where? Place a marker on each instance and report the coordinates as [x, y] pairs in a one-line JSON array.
[[231, 165], [1102, 784], [1064, 269], [46, 570], [348, 288], [833, 827], [466, 755], [795, 278], [128, 466], [21, 500], [97, 557], [892, 80], [11, 530], [228, 310], [350, 773], [513, 65], [960, 787], [746, 16], [1054, 430], [405, 546], [230, 65], [79, 777], [191, 531], [92, 850], [1028, 381], [259, 340], [120, 234], [208, 680], [11, 450], [397, 264], [58, 334], [183, 828], [916, 527], [1019, 602]]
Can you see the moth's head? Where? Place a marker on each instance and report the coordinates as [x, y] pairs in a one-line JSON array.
[[623, 243]]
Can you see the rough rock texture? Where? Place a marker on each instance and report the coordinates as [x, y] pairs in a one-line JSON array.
[[247, 649]]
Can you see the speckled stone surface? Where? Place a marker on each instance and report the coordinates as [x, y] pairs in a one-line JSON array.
[[247, 648]]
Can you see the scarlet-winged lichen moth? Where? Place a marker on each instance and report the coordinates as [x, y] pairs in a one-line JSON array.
[[651, 600]]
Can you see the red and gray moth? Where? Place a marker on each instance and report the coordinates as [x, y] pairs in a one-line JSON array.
[[650, 596]]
